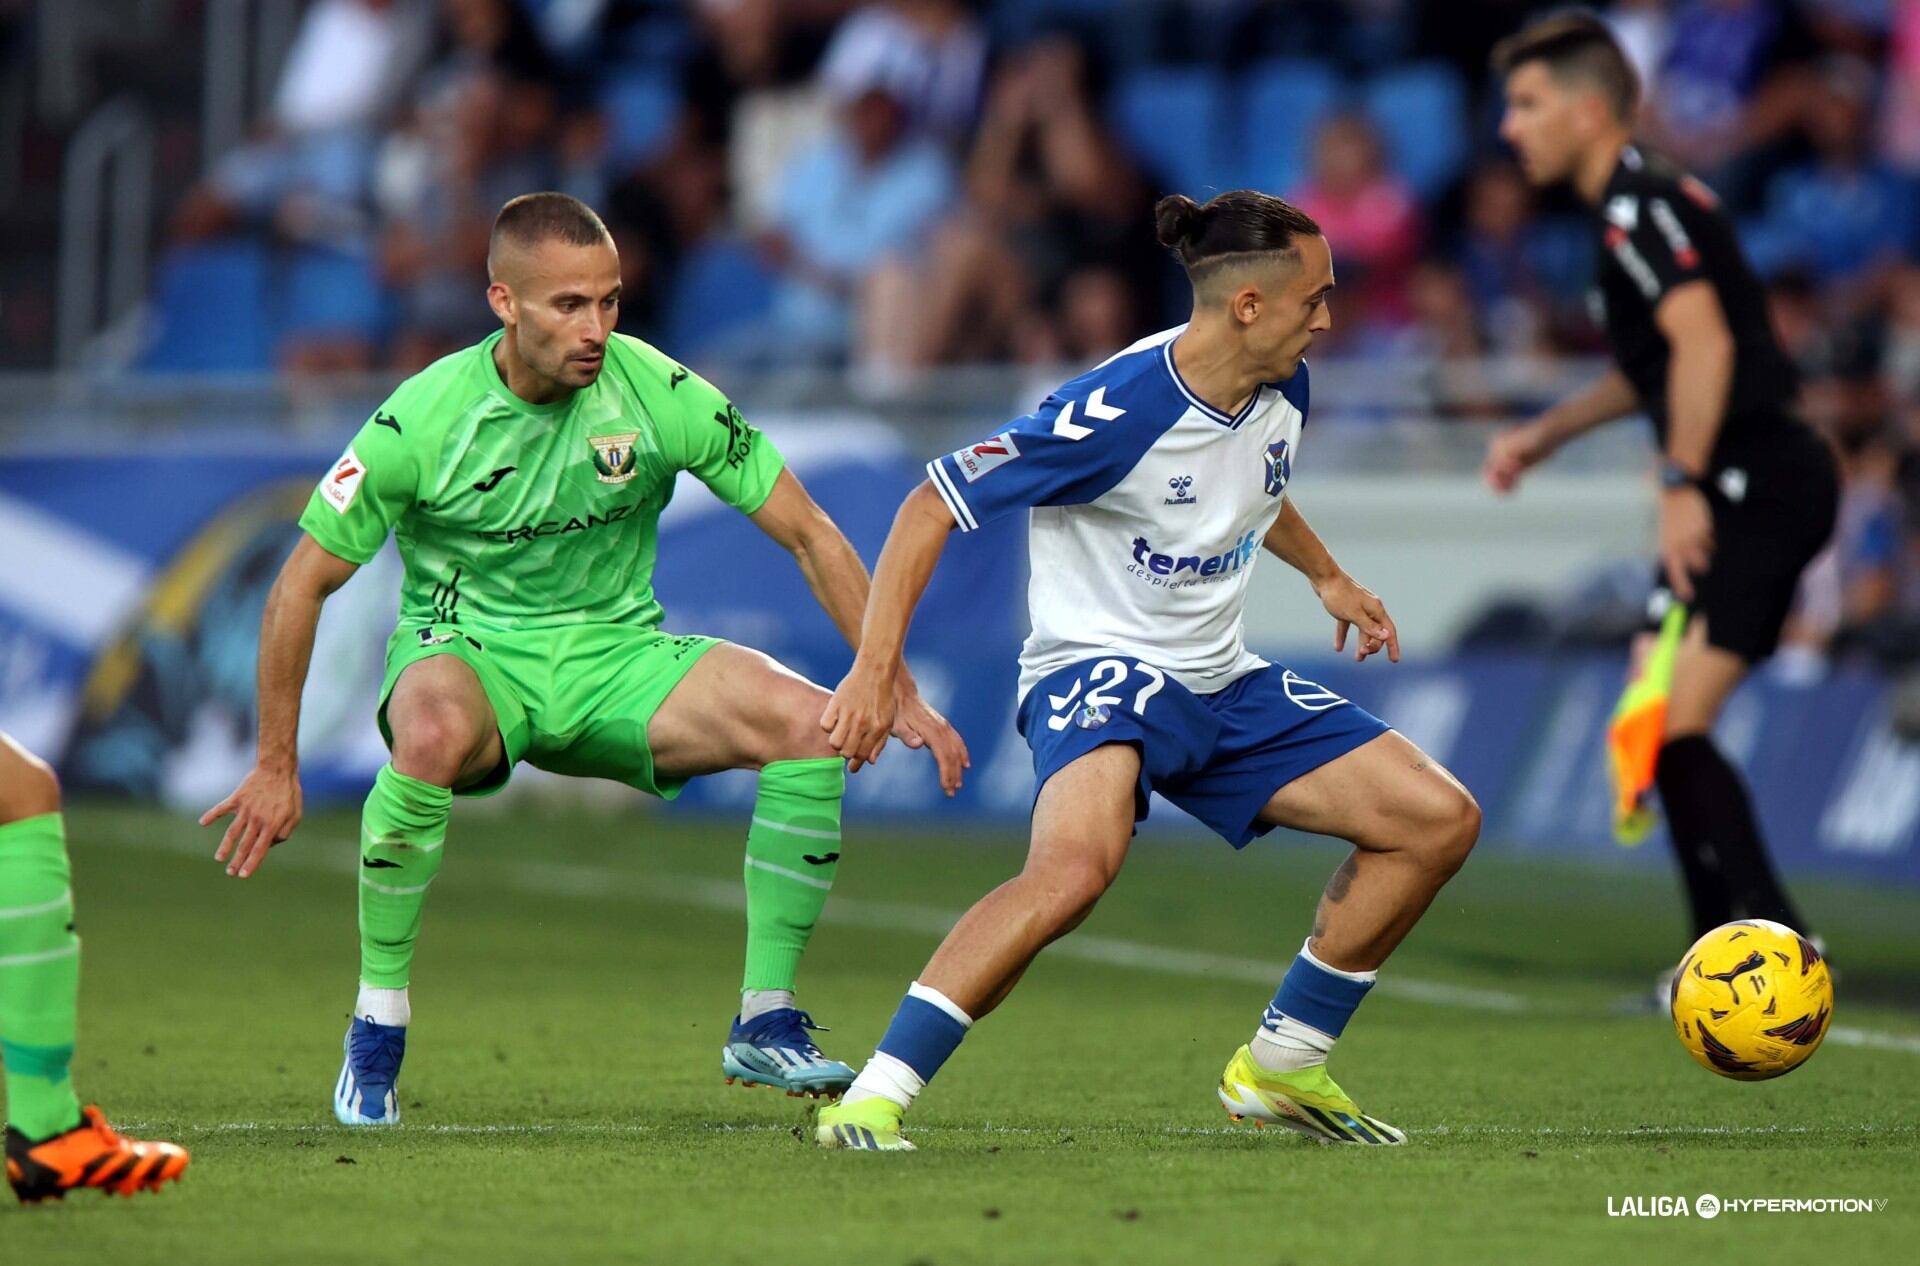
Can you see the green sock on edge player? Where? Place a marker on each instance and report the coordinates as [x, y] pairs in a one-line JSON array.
[[523, 481], [53, 1145]]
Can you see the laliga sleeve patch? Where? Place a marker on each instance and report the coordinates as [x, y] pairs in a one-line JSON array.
[[977, 459], [342, 483]]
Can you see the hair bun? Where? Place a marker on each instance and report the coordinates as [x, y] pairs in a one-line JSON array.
[[1176, 220]]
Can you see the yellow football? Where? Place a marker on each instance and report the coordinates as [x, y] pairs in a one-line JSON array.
[[1752, 1000]]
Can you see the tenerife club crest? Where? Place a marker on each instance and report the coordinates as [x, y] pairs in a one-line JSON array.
[[1279, 468], [613, 457]]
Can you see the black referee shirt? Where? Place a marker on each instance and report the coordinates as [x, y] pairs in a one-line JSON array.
[[1661, 228]]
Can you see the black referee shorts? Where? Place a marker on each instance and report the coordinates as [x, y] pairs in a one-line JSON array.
[[1774, 506]]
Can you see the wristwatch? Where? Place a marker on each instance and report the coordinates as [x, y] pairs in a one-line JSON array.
[[1673, 475]]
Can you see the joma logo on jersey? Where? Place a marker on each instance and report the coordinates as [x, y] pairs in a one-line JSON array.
[[558, 527], [614, 461], [1205, 567]]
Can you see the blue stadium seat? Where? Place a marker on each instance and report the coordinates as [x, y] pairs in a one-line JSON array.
[[1015, 21], [1286, 100], [641, 105], [1176, 123], [331, 293], [210, 310], [1421, 112], [719, 288]]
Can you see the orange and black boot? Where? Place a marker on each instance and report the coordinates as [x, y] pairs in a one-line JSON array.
[[89, 1155]]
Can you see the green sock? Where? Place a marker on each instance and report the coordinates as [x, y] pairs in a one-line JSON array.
[[402, 830], [793, 850], [39, 976]]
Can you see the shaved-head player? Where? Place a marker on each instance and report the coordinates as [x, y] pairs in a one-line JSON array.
[[523, 481]]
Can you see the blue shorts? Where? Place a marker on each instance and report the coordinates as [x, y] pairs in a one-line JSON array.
[[1219, 756]]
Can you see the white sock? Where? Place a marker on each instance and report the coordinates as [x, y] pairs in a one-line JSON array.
[[383, 1006], [1284, 1045], [885, 1077], [755, 1003], [1306, 952]]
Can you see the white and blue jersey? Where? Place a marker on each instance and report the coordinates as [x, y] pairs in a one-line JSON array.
[[1148, 509]]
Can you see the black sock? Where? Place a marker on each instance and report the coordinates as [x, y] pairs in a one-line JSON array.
[[1715, 837]]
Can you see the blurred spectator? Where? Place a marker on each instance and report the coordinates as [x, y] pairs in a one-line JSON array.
[[854, 199], [1845, 216], [1854, 584], [1900, 118], [826, 131], [1903, 334], [928, 54], [1444, 343], [1645, 31], [1793, 305], [1369, 216], [495, 36], [1721, 91], [305, 172], [759, 43], [480, 142], [482, 130], [1527, 273], [657, 215], [1052, 256]]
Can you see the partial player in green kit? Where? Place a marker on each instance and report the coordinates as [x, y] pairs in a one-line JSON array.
[[523, 481]]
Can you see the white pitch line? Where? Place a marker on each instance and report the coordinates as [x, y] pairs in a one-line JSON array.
[[894, 916], [1873, 1039], [604, 883], [613, 1128]]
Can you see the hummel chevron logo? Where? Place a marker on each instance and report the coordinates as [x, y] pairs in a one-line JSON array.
[[493, 481], [387, 419], [675, 378], [811, 860], [1097, 409]]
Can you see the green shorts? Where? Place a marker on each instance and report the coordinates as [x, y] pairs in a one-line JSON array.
[[574, 699]]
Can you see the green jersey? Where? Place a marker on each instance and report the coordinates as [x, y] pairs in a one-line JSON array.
[[516, 515]]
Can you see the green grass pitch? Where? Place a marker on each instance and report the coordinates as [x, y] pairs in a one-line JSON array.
[[563, 1101]]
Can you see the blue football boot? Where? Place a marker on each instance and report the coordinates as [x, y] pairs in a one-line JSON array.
[[774, 1050], [368, 1092]]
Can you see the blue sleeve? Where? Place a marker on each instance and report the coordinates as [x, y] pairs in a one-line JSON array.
[[1074, 448], [1297, 390]]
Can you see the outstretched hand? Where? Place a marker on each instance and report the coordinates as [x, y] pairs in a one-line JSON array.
[[1353, 605], [918, 723], [860, 715], [1510, 454], [265, 809]]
